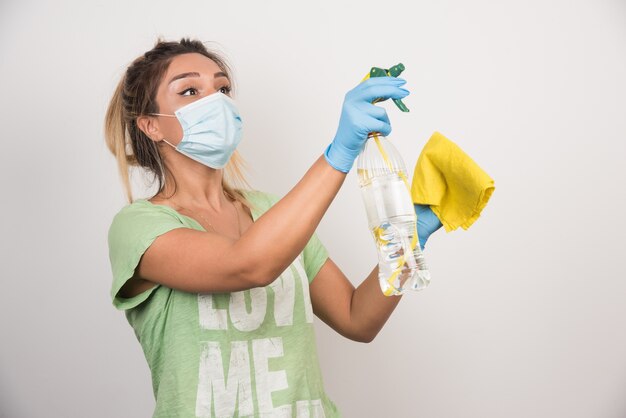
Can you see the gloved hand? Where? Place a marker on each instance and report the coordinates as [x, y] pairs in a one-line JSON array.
[[359, 117], [427, 223]]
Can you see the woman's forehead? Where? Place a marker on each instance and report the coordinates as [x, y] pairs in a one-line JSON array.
[[191, 63]]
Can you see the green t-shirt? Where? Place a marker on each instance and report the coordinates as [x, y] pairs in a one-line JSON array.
[[243, 354]]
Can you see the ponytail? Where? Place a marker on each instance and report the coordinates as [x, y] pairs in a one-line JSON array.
[[116, 135]]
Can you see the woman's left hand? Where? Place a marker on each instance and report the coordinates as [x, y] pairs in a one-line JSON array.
[[427, 223]]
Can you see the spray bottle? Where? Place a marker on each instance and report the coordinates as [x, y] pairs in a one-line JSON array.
[[391, 216]]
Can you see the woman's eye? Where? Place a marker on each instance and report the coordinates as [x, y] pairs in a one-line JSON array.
[[189, 92], [225, 90]]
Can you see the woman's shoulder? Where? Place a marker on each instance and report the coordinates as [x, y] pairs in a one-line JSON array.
[[261, 198], [143, 213], [142, 207]]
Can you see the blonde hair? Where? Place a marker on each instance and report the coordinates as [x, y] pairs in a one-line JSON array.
[[134, 96]]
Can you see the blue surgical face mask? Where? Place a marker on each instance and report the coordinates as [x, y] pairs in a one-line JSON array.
[[211, 129]]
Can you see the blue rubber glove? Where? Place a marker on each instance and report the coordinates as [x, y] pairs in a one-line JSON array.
[[427, 223], [359, 117]]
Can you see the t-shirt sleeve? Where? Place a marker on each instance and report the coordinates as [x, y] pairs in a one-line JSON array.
[[132, 231], [314, 255]]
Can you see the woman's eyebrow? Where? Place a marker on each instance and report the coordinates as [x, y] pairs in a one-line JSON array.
[[194, 74], [183, 75]]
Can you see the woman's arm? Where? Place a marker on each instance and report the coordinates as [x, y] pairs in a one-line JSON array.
[[197, 261], [358, 314]]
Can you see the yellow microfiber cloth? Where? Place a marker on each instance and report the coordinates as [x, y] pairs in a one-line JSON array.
[[448, 180]]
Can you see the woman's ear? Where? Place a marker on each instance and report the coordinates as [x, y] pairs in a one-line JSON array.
[[149, 125]]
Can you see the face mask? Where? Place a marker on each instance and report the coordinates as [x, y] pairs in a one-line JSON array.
[[211, 129]]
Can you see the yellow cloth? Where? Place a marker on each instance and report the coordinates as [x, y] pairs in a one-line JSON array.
[[448, 180]]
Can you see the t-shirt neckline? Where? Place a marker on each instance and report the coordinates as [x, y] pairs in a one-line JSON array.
[[252, 211]]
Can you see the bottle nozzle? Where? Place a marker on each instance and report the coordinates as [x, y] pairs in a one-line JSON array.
[[394, 71]]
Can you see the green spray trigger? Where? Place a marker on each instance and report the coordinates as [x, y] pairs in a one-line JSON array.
[[394, 71]]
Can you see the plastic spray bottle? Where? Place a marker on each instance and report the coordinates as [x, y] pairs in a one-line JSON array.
[[391, 216]]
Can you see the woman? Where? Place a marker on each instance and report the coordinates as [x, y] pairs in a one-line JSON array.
[[220, 284]]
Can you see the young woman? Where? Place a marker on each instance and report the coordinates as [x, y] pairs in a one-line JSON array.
[[220, 284]]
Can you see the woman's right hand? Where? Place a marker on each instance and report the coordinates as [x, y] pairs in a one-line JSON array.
[[359, 117]]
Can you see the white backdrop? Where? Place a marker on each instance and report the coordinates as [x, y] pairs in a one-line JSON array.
[[526, 313]]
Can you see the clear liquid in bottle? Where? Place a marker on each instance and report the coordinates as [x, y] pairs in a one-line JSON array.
[[391, 217]]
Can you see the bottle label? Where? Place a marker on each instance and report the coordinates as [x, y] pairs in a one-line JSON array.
[[386, 198]]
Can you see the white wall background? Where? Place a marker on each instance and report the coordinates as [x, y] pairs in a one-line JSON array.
[[526, 314]]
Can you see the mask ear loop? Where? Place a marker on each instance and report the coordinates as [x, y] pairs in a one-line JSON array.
[[169, 116], [168, 143]]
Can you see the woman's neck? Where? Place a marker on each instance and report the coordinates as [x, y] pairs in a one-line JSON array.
[[191, 184]]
